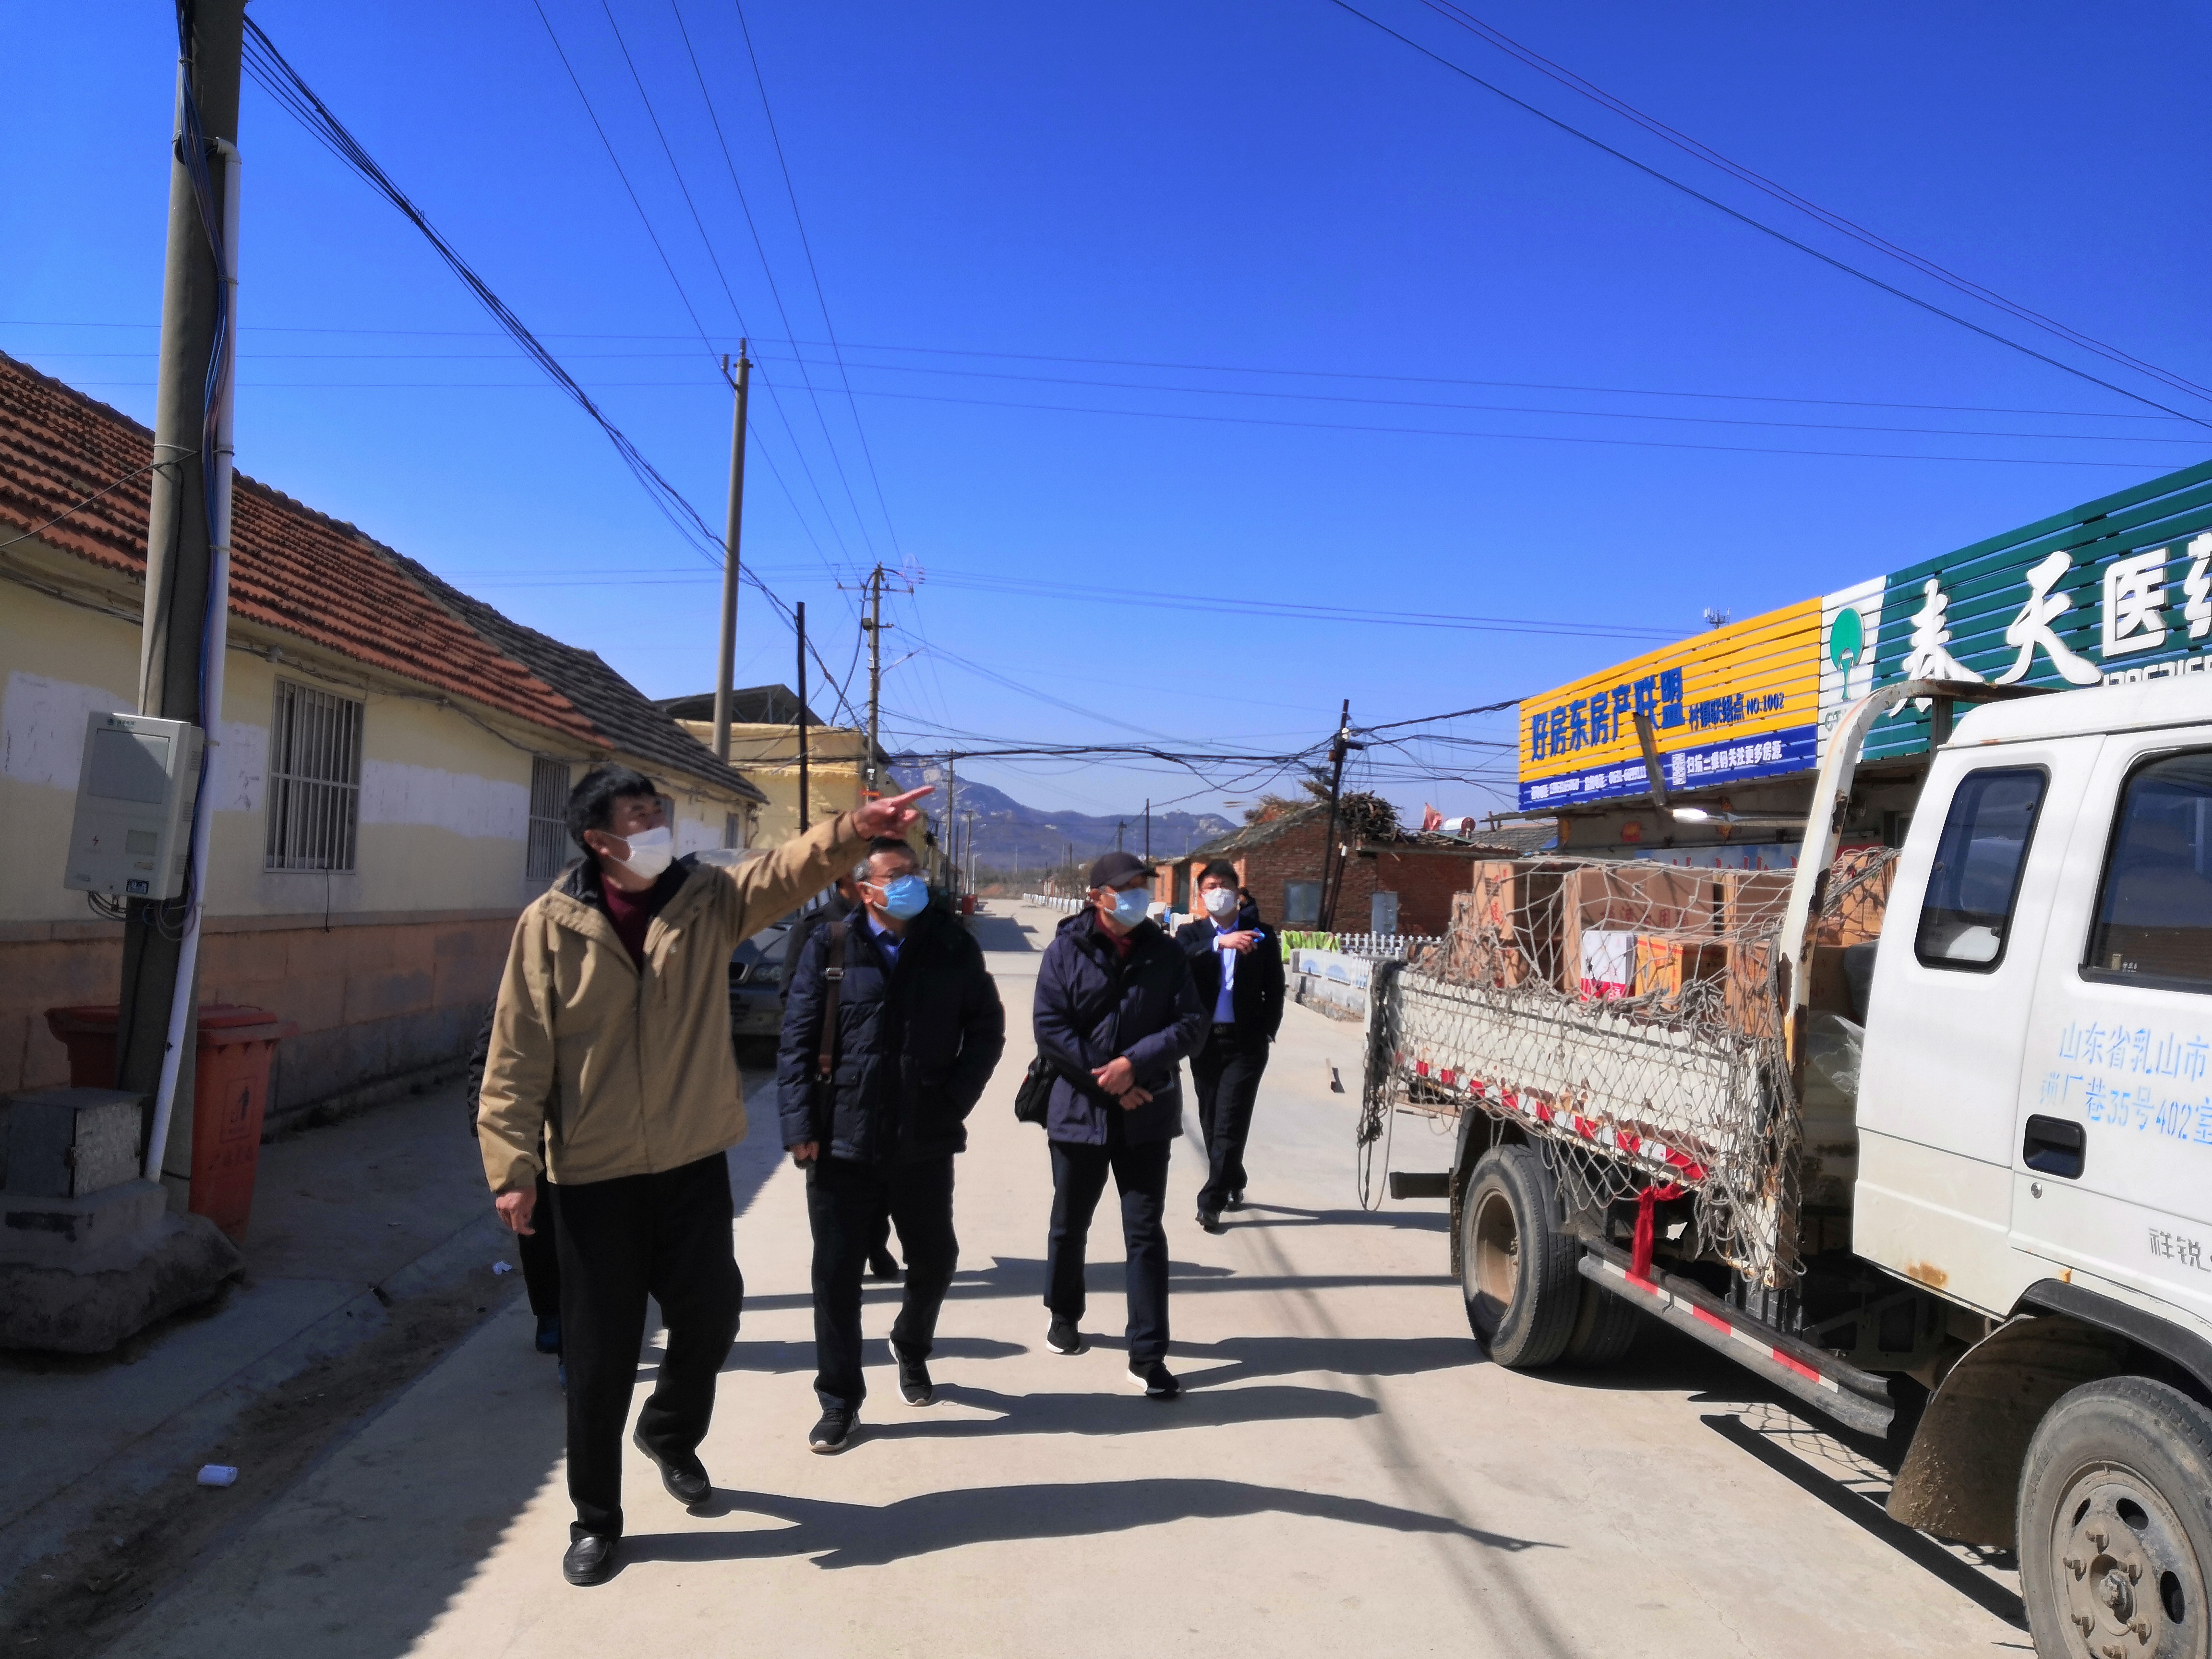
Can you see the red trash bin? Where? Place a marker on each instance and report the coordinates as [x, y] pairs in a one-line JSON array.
[[230, 1093]]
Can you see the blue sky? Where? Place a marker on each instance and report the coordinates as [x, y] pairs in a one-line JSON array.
[[1026, 207]]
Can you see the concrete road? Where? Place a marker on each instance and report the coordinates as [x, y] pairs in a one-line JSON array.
[[1345, 1474]]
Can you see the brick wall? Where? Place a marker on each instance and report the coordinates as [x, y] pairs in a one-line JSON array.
[[375, 997], [1425, 881]]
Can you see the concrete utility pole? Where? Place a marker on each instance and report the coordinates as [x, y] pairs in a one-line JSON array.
[[951, 799], [1332, 867], [799, 611], [1148, 828], [1118, 828], [188, 523], [726, 659], [874, 624], [971, 852]]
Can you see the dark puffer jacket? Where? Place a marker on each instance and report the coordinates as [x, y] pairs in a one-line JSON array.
[[1092, 1005], [915, 1042]]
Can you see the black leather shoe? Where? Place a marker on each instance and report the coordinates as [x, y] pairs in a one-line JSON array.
[[688, 1487], [1211, 1223], [590, 1560], [1236, 1198]]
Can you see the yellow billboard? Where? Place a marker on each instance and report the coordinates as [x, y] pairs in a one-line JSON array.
[[1742, 702]]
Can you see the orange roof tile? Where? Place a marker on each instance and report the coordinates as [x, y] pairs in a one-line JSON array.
[[292, 568]]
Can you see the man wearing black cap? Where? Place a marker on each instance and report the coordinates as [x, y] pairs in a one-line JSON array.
[[1116, 1013]]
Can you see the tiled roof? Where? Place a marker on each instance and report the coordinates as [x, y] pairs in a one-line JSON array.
[[622, 713], [291, 567], [320, 580]]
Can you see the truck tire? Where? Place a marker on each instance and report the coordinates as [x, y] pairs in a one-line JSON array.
[[1604, 1331], [2115, 1542], [1518, 1272]]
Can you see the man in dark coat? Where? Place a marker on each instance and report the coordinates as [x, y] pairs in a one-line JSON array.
[[1238, 966], [843, 904], [1115, 1015], [918, 1030]]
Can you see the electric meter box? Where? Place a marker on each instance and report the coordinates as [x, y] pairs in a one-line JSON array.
[[135, 793]]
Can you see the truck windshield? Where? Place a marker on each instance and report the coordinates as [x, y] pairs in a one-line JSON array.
[[2154, 913], [1975, 879]]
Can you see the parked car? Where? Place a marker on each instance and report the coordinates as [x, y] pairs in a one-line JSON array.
[[756, 987]]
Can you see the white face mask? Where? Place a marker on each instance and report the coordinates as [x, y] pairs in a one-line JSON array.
[[1220, 902], [651, 852]]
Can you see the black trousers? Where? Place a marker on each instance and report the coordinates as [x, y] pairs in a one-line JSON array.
[[848, 1204], [541, 1255], [1079, 1177], [1227, 1073], [666, 1236]]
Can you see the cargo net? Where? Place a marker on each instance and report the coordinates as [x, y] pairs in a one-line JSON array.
[[1628, 1017]]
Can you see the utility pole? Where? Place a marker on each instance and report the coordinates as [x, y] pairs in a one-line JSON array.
[[1118, 829], [1148, 828], [726, 659], [187, 536], [1332, 865], [872, 625], [952, 797], [799, 609], [971, 852]]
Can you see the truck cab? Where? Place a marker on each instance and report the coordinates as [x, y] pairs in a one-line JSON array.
[[2035, 1101]]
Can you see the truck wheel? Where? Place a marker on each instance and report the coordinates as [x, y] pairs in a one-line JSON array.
[[2115, 1545], [1517, 1268], [1604, 1331]]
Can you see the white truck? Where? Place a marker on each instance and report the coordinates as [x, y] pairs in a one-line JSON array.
[[2023, 1300]]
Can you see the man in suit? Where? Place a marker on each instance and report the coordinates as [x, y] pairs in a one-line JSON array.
[[895, 1001], [1238, 966]]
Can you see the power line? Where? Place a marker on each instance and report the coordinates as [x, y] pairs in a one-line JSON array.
[[668, 265], [814, 271], [760, 248], [714, 260], [1048, 357], [1521, 437], [1746, 219], [1835, 221], [277, 77], [1505, 409]]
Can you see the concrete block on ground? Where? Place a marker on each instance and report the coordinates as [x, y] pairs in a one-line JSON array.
[[58, 1231], [66, 1143], [117, 1290]]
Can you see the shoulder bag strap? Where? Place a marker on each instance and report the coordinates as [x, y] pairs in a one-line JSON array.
[[833, 973]]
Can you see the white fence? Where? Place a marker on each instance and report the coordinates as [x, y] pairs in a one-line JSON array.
[[1049, 902], [1382, 947]]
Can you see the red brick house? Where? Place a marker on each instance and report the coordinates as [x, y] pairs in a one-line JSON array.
[[1402, 886]]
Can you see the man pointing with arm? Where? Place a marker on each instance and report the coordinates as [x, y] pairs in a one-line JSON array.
[[611, 1038]]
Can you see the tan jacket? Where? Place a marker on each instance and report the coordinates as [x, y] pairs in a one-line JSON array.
[[627, 1073]]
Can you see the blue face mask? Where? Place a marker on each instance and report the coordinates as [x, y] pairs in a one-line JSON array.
[[1131, 907], [905, 897]]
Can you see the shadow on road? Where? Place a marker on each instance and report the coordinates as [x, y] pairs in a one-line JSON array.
[[869, 1535], [1861, 1511], [1247, 1357], [1001, 934], [1012, 1275], [1110, 1409], [1282, 1215]]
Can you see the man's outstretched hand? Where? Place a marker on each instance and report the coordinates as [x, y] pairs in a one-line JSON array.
[[887, 817]]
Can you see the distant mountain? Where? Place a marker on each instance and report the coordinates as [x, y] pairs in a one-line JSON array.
[[1009, 837]]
